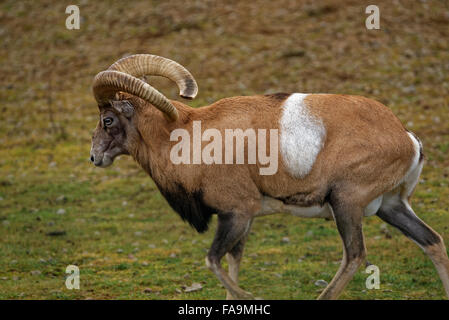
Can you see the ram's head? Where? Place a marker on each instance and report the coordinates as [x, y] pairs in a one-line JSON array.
[[116, 127]]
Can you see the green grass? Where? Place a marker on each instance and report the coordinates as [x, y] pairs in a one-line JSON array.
[[118, 228]]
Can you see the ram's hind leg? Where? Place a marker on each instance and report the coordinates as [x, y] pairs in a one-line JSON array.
[[230, 230], [348, 218], [398, 213]]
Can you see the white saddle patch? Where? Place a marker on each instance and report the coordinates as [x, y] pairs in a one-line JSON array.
[[302, 136]]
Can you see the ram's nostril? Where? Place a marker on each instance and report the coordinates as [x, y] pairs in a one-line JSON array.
[[92, 158]]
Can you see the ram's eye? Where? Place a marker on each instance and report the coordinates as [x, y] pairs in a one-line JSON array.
[[108, 121]]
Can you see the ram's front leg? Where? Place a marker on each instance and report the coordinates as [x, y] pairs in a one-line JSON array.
[[230, 237], [234, 256]]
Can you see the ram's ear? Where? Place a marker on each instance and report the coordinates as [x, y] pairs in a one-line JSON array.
[[124, 107]]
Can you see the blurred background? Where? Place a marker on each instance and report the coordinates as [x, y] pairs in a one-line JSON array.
[[57, 209]]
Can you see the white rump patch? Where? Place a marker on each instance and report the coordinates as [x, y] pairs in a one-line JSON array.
[[411, 178], [416, 146], [302, 136]]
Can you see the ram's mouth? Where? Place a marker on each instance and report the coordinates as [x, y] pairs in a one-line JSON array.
[[102, 161]]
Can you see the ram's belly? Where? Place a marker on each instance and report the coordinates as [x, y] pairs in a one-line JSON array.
[[324, 211], [271, 206]]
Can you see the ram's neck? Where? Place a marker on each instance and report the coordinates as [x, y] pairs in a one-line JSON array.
[[152, 145]]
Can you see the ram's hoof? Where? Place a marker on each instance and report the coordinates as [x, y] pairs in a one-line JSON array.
[[246, 296]]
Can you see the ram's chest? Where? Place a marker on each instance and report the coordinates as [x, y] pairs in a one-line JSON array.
[[189, 205], [302, 135]]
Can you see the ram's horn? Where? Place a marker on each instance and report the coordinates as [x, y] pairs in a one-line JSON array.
[[108, 83], [124, 76], [140, 65]]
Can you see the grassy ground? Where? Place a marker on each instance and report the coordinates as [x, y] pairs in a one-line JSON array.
[[117, 227]]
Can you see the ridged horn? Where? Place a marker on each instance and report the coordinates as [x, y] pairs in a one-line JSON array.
[[139, 65], [108, 83], [124, 76]]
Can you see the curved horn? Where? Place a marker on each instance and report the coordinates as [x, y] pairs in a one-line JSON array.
[[139, 65], [107, 83]]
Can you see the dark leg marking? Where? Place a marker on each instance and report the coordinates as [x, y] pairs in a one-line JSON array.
[[349, 224], [409, 224], [403, 218], [230, 230], [234, 257]]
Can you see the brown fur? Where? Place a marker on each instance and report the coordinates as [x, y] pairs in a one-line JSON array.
[[366, 153], [366, 149]]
